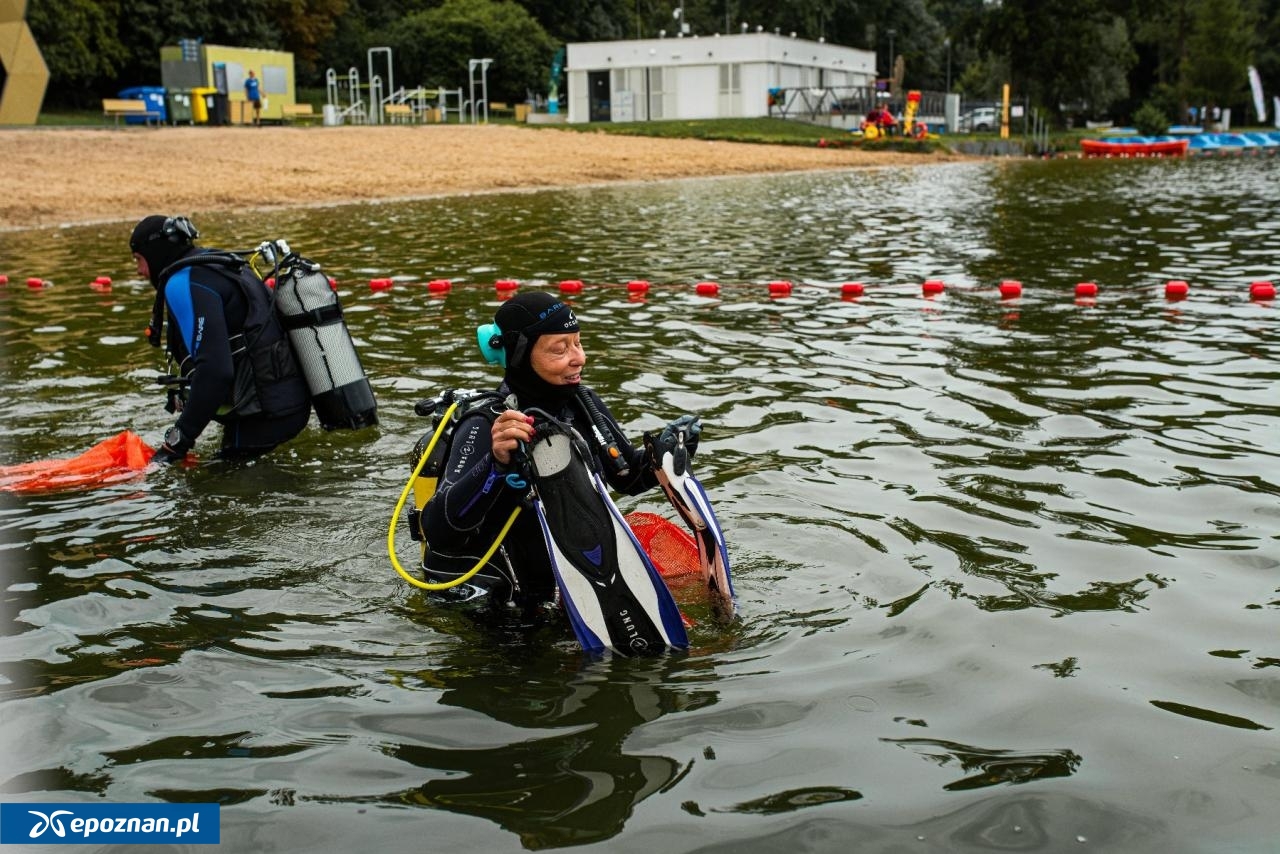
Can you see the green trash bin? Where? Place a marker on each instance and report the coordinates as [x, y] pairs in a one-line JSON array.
[[201, 101], [181, 110]]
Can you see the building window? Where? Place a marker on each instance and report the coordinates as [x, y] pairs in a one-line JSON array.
[[730, 79]]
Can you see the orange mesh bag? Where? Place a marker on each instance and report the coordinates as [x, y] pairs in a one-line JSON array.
[[119, 458], [672, 549]]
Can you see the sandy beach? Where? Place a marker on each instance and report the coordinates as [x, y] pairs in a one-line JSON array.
[[55, 177]]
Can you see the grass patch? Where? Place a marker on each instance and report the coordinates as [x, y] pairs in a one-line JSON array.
[[765, 131]]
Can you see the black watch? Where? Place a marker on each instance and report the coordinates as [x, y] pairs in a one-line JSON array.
[[174, 438]]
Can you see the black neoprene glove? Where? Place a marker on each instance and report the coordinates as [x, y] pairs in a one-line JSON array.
[[668, 438], [175, 447]]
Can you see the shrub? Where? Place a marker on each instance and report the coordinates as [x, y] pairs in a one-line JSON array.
[[1150, 120]]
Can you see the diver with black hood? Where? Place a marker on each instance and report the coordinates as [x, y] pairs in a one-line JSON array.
[[535, 337], [230, 360]]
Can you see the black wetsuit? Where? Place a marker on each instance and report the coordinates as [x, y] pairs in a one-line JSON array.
[[207, 309], [474, 500]]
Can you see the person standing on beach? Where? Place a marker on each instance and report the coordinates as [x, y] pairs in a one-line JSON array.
[[253, 94]]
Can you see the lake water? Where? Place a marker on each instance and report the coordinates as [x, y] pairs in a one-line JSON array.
[[1008, 570]]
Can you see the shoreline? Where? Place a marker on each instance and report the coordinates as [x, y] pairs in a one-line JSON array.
[[65, 177]]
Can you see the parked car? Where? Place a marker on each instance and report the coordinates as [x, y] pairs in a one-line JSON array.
[[980, 120]]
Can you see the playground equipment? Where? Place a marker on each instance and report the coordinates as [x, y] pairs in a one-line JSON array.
[[354, 109], [350, 100], [482, 66], [23, 73], [911, 128]]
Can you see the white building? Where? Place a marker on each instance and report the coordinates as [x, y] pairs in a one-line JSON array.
[[706, 77]]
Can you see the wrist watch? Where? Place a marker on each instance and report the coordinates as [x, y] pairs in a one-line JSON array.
[[174, 438]]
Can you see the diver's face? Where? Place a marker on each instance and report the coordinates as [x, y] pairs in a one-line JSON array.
[[558, 359], [144, 269]]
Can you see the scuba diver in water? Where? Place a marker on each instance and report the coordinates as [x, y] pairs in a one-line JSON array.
[[535, 336], [234, 363]]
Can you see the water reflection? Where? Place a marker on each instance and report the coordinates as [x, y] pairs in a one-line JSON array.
[[563, 776]]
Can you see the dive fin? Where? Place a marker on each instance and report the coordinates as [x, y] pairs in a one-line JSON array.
[[615, 598], [691, 503]]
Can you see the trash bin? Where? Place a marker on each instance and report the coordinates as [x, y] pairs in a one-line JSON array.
[[220, 112], [180, 106], [201, 99], [154, 98]]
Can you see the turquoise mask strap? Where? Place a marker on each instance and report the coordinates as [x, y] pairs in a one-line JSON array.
[[489, 337]]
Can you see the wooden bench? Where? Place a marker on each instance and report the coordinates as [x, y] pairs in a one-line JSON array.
[[117, 107], [398, 112], [290, 113]]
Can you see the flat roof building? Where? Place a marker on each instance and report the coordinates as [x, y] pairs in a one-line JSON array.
[[703, 77]]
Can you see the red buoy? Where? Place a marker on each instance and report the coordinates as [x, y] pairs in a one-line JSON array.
[[506, 285], [4, 280], [571, 286], [100, 287], [102, 280], [707, 289], [638, 286], [439, 286], [851, 289], [1175, 289], [933, 286], [35, 282], [380, 284], [1086, 289], [1010, 288], [779, 289], [1262, 290]]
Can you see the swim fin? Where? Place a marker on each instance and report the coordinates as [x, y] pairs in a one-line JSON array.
[[615, 598], [691, 503]]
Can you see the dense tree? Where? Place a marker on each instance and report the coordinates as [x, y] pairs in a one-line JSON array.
[[1218, 54], [434, 47], [81, 46]]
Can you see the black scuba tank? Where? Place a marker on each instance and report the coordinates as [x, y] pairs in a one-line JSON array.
[[311, 314]]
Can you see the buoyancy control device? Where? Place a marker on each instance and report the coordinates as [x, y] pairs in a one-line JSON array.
[[445, 411], [311, 314]]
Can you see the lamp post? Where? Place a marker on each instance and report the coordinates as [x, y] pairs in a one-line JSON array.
[[892, 32], [947, 42]]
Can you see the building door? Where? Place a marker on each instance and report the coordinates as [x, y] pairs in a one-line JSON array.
[[598, 109]]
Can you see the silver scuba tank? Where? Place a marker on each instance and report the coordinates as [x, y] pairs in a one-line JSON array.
[[308, 308]]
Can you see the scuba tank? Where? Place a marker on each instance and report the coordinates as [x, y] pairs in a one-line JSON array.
[[310, 313]]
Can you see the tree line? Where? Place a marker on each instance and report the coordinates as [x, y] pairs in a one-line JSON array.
[[1071, 59]]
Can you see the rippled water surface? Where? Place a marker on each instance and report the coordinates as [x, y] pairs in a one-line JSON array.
[[1009, 571]]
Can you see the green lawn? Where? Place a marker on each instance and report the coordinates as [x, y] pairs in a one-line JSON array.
[[764, 130]]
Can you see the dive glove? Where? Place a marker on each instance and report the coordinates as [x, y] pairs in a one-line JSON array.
[[667, 440], [175, 447]]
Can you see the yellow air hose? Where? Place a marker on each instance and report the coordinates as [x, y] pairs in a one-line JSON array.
[[395, 516]]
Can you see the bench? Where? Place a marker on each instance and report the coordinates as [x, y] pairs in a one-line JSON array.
[[290, 113], [398, 112], [117, 107]]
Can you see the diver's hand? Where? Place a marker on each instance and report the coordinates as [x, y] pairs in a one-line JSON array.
[[670, 441], [174, 448], [510, 429]]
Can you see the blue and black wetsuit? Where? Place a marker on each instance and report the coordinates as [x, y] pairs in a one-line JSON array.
[[474, 500], [237, 359]]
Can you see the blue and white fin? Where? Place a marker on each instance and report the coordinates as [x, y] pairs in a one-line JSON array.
[[687, 496], [615, 598]]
